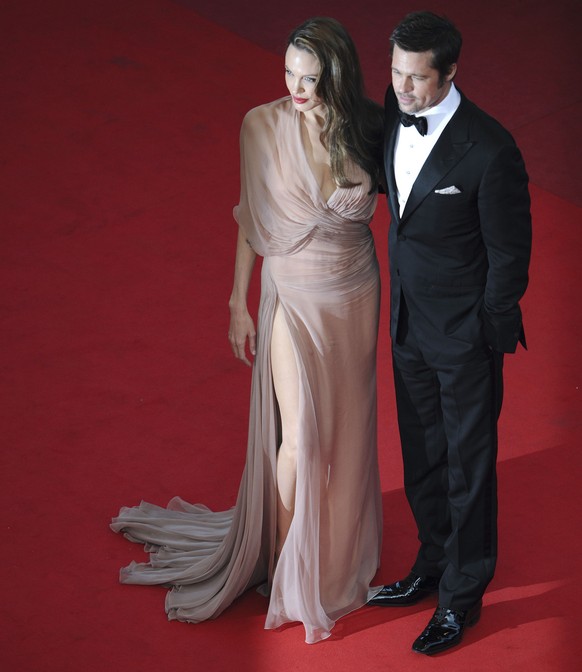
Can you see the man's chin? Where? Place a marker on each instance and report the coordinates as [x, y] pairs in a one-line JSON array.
[[409, 108]]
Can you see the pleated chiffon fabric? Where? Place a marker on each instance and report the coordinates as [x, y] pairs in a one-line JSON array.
[[320, 269]]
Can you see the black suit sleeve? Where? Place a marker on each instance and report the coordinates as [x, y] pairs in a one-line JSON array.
[[504, 211]]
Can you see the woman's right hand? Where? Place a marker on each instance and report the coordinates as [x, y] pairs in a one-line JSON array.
[[242, 328]]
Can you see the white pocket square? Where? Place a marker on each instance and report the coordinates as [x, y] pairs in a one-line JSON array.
[[448, 190]]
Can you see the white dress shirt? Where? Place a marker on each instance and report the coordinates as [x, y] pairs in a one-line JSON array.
[[412, 149]]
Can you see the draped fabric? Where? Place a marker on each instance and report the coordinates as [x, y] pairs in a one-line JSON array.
[[320, 269]]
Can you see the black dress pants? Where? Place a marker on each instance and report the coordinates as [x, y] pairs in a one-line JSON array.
[[447, 416]]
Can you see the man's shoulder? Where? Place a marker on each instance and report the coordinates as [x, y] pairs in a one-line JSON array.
[[390, 105], [390, 101], [481, 125]]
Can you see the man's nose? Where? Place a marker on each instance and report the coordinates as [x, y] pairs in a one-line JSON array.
[[406, 84]]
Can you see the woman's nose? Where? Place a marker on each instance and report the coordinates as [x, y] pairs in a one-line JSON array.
[[297, 86]]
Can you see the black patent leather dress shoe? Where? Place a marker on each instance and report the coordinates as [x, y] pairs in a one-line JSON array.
[[445, 629], [408, 591]]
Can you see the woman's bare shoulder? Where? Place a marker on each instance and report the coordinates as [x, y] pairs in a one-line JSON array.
[[267, 112]]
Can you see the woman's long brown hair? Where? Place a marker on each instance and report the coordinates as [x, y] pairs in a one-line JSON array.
[[353, 126]]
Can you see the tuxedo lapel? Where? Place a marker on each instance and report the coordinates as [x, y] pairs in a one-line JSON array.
[[390, 134], [450, 148], [389, 166]]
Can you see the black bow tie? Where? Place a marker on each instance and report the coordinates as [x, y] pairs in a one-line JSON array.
[[410, 120]]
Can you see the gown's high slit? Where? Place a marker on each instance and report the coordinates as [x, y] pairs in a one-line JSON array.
[[286, 385]]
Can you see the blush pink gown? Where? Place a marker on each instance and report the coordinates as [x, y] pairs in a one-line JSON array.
[[320, 266]]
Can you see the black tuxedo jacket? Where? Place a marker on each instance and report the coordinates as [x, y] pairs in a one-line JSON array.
[[461, 259]]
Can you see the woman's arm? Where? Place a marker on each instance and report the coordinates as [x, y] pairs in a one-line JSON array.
[[241, 323]]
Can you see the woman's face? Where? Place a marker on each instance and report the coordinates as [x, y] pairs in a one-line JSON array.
[[302, 72]]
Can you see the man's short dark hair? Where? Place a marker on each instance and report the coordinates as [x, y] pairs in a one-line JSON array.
[[425, 31]]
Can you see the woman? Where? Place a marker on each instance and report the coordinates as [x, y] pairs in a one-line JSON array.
[[307, 522]]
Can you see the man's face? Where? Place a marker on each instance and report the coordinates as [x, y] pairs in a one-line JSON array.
[[417, 84]]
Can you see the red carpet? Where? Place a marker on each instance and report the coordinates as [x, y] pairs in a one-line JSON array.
[[119, 172]]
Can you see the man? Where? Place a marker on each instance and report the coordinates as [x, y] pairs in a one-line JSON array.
[[460, 241]]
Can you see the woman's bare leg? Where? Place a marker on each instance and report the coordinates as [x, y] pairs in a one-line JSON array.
[[286, 382]]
